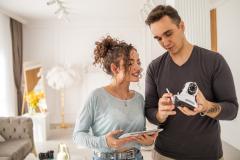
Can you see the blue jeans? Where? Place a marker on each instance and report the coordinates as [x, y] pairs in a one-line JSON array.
[[137, 157]]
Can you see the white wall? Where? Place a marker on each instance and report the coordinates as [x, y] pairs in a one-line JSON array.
[[195, 15], [8, 105], [52, 43], [228, 25]]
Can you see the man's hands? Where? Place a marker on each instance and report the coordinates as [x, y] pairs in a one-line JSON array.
[[210, 109], [165, 107], [203, 106]]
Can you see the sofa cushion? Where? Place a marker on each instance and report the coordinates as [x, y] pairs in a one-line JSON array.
[[15, 149], [16, 127], [5, 158]]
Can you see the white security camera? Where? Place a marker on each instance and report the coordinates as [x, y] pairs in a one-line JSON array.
[[187, 97]]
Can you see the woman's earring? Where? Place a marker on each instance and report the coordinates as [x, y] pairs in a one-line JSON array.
[[140, 76]]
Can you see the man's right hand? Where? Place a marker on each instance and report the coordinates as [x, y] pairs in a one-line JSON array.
[[113, 142], [165, 107]]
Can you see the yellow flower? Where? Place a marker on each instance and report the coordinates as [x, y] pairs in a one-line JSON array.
[[33, 98]]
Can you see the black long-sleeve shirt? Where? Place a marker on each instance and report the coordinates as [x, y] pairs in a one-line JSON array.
[[191, 137]]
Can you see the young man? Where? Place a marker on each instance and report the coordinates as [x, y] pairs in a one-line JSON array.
[[188, 134]]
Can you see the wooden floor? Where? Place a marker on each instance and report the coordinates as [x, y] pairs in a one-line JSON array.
[[65, 136]]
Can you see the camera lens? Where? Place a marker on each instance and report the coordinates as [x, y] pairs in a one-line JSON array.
[[192, 88]]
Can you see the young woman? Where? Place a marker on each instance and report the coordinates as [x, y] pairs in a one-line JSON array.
[[114, 109]]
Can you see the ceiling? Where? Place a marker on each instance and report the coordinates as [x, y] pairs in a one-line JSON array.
[[87, 9]]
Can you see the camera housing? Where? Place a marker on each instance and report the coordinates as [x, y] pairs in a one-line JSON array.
[[187, 97]]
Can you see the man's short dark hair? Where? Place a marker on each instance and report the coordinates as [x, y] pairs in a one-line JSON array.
[[160, 11]]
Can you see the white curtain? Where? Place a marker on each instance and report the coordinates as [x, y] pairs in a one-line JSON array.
[[7, 87]]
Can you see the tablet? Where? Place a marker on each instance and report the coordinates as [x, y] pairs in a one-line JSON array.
[[148, 132]]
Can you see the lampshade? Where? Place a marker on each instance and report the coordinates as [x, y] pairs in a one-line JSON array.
[[61, 77]]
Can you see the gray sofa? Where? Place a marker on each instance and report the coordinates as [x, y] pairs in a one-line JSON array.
[[18, 138]]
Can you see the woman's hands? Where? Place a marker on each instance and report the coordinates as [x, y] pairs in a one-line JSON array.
[[145, 139], [142, 139], [113, 142]]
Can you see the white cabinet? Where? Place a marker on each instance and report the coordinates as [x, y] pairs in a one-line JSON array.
[[40, 126]]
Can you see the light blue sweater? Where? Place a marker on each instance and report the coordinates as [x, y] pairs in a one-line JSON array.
[[103, 113]]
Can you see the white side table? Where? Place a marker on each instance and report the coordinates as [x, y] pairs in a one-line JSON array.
[[40, 126]]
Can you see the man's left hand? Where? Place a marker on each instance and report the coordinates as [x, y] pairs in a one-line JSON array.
[[202, 106]]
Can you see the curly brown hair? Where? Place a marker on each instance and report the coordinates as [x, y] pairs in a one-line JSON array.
[[110, 50]]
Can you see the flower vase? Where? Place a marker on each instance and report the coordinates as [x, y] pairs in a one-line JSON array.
[[31, 110]]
